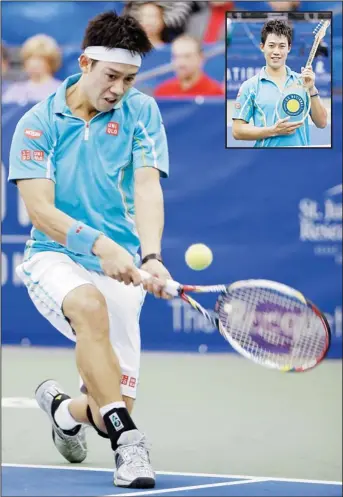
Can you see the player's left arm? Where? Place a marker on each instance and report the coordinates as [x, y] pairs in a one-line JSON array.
[[150, 162], [318, 113]]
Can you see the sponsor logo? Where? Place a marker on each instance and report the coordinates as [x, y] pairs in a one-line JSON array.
[[26, 155], [112, 128], [128, 380], [293, 104], [124, 379], [320, 223], [116, 421], [33, 133], [235, 76], [188, 320], [335, 321], [38, 155]]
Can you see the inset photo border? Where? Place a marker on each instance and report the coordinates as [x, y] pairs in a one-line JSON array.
[[278, 79]]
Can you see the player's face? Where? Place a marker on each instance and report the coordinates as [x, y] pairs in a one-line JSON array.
[[275, 49], [186, 58], [107, 82]]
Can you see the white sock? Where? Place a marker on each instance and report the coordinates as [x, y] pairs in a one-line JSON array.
[[109, 407], [63, 417]]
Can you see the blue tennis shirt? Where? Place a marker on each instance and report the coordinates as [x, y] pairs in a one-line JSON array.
[[257, 99], [92, 164]]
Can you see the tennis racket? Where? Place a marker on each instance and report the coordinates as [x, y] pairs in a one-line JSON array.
[[295, 101], [267, 322], [319, 32]]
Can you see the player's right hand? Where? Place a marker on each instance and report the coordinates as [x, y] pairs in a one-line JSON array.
[[283, 127], [116, 262]]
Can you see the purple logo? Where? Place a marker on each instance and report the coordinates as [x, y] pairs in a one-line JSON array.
[[275, 327]]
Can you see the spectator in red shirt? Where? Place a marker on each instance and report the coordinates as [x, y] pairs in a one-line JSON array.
[[190, 81], [215, 30]]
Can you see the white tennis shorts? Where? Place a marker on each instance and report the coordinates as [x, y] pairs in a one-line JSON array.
[[50, 276]]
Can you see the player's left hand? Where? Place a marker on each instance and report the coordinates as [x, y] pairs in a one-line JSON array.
[[308, 77], [159, 275]]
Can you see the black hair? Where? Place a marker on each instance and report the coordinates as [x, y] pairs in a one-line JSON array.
[[277, 27], [112, 31]]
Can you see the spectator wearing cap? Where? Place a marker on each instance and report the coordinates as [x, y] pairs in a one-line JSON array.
[[41, 58], [190, 80]]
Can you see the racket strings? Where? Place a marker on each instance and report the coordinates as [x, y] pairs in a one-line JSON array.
[[271, 327]]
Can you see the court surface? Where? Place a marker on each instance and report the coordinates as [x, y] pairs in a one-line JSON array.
[[213, 420]]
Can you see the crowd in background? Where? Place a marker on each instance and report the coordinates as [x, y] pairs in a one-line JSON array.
[[187, 26]]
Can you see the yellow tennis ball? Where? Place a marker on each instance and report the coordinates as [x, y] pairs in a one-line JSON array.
[[198, 256]]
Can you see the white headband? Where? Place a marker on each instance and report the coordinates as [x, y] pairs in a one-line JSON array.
[[119, 55]]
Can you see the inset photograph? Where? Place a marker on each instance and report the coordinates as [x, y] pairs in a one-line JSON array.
[[278, 79]]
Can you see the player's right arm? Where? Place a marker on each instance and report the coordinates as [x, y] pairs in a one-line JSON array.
[[32, 168], [242, 129]]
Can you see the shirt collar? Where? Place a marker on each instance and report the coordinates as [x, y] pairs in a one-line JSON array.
[[60, 104], [264, 74]]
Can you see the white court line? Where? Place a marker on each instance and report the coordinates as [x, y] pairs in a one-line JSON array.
[[193, 487], [19, 403], [176, 473]]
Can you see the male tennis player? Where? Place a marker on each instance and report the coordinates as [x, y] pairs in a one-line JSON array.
[[87, 162], [258, 96]]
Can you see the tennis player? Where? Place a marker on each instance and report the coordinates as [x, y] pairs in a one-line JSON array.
[[87, 162], [258, 96]]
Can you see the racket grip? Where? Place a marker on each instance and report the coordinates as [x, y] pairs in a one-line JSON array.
[[172, 287]]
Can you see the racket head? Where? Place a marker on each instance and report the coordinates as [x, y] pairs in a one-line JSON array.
[[273, 325], [294, 103]]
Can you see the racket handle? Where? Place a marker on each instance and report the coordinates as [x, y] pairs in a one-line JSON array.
[[172, 287]]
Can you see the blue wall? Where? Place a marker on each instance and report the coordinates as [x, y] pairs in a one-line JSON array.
[[273, 214]]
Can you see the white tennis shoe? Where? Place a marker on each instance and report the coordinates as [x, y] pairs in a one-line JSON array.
[[72, 447], [133, 468]]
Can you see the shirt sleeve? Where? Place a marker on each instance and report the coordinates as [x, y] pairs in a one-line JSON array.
[[150, 148], [32, 149], [244, 104]]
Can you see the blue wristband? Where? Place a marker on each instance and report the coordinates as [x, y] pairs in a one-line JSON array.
[[81, 238]]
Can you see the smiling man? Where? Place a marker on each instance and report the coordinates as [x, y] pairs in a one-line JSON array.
[[87, 162], [258, 96]]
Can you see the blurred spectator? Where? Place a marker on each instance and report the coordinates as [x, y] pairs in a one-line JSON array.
[[191, 81], [41, 58], [215, 30], [151, 17], [176, 15], [4, 68], [285, 6], [208, 24]]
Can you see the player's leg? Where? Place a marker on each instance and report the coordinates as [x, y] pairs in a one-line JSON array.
[[79, 407], [108, 362], [49, 276], [124, 305]]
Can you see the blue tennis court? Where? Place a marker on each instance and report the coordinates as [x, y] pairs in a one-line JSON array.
[[20, 480]]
